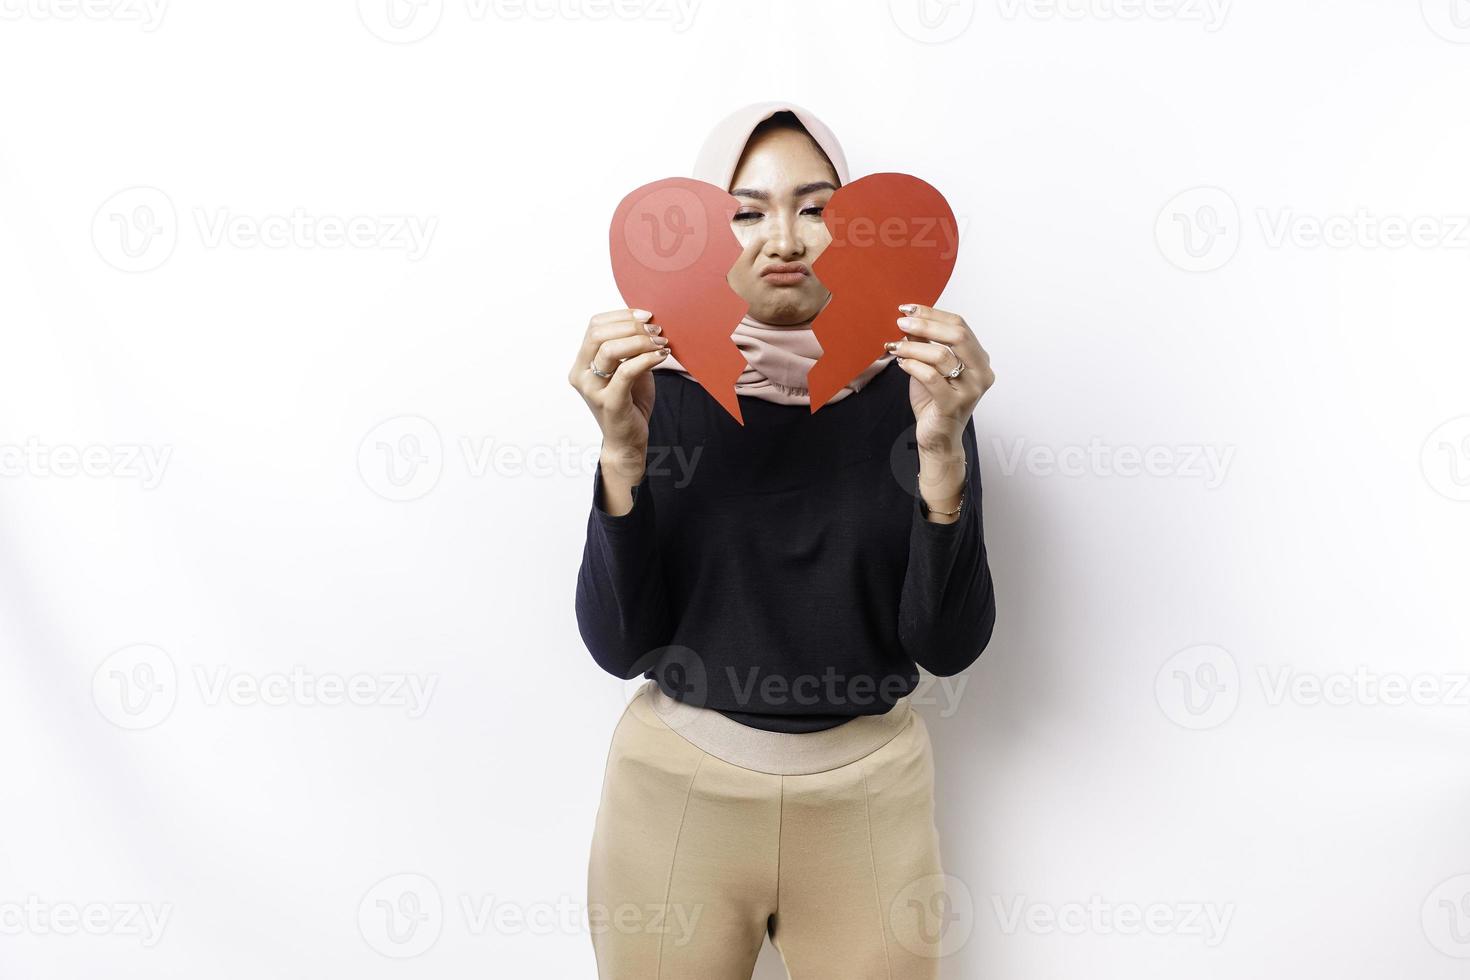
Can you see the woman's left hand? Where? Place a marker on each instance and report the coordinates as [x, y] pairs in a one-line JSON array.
[[941, 405]]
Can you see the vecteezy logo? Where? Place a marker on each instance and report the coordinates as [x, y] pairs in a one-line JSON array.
[[136, 687], [1198, 687], [400, 21], [675, 668], [1450, 19], [401, 916], [933, 916], [659, 232], [1446, 917], [1199, 230], [402, 458], [1445, 459], [135, 230], [932, 21]]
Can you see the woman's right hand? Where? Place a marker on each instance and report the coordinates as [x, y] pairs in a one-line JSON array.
[[624, 344]]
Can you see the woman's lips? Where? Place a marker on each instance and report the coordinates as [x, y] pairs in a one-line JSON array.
[[786, 274]]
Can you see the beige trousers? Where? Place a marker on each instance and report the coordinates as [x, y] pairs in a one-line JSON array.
[[696, 858]]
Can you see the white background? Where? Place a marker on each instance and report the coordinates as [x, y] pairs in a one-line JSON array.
[[368, 468]]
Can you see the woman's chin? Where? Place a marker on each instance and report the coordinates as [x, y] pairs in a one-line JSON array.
[[784, 313]]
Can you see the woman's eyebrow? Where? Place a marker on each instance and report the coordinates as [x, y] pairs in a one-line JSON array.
[[816, 185]]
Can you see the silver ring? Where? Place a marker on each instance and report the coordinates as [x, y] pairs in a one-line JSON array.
[[959, 365], [601, 374]]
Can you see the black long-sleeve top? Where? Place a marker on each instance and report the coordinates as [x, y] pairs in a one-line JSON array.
[[784, 572]]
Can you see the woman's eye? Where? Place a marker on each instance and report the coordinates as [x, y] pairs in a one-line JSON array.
[[815, 209], [746, 215]]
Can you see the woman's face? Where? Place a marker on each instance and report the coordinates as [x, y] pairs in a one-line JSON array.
[[783, 183]]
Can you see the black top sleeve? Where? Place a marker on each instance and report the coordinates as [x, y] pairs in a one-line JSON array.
[[947, 609], [622, 608]]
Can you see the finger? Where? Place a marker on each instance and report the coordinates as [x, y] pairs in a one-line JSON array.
[[628, 371], [613, 315], [939, 388], [609, 354], [934, 355], [942, 331], [930, 313], [608, 326], [612, 351]]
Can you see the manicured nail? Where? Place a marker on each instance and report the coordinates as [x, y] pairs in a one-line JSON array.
[[663, 352], [891, 346], [908, 309], [642, 315], [653, 328], [661, 341], [905, 324]]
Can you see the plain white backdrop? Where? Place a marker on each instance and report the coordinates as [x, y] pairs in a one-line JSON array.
[[294, 489]]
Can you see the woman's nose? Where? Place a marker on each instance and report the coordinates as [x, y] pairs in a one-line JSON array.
[[783, 239]]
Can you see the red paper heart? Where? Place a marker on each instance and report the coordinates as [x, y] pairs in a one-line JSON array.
[[894, 240], [672, 249]]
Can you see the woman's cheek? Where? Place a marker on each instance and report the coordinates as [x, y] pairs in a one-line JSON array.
[[817, 241]]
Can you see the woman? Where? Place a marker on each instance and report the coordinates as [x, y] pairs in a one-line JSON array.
[[779, 582]]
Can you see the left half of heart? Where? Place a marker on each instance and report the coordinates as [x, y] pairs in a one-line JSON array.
[[672, 251]]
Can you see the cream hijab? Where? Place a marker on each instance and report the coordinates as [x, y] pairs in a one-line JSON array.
[[778, 356]]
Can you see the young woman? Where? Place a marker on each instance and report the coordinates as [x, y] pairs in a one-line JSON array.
[[780, 583]]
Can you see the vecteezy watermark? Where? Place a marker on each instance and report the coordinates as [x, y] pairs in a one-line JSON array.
[[147, 14], [34, 916], [1210, 14], [299, 687], [1363, 687], [1206, 921], [1207, 463], [1445, 459], [1201, 686], [1445, 917], [1198, 687], [138, 686], [932, 21], [404, 915], [762, 690], [401, 916], [403, 458], [119, 461], [1450, 19], [931, 232], [137, 230], [1198, 230], [407, 21], [932, 916], [488, 915], [1362, 229]]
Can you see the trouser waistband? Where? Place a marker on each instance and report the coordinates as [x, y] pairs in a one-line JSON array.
[[778, 753]]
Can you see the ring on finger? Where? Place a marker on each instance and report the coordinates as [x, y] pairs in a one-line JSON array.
[[959, 365]]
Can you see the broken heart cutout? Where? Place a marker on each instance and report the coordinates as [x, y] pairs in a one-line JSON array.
[[894, 240], [672, 251]]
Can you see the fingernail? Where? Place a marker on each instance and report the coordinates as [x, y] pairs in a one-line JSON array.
[[905, 324], [663, 352], [653, 328], [891, 346], [661, 341], [908, 308], [642, 315]]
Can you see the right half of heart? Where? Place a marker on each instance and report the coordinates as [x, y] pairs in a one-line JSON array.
[[894, 240]]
